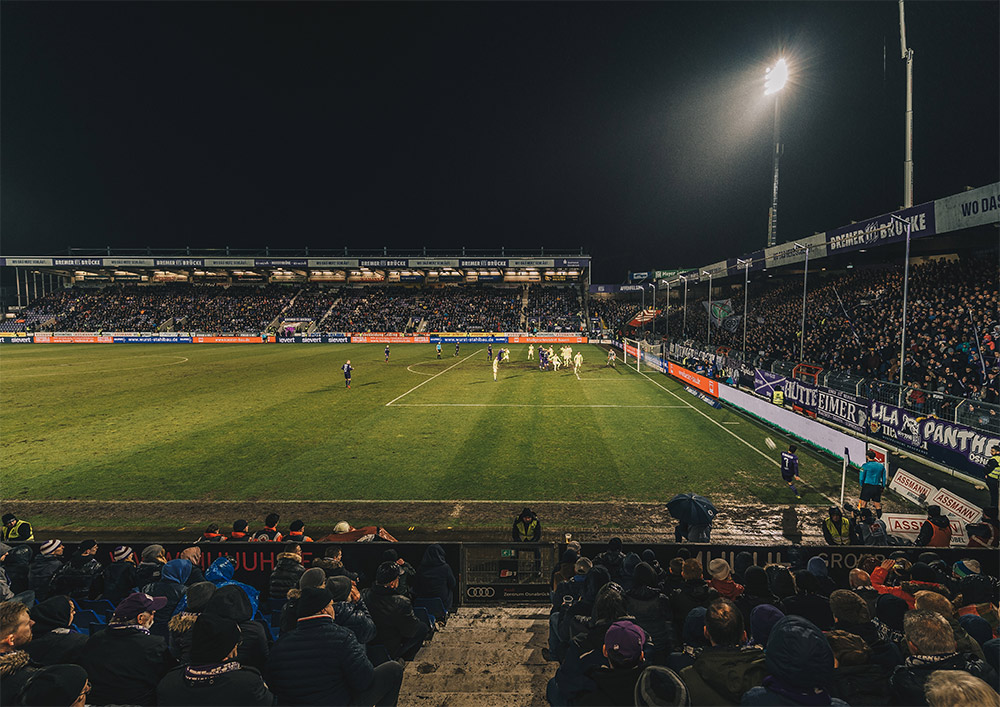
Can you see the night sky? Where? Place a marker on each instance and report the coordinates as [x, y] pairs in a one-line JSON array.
[[637, 131]]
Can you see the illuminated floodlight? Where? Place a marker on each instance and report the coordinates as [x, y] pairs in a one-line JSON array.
[[776, 77]]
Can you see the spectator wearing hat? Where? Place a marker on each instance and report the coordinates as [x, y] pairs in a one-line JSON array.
[[52, 641], [407, 573], [172, 585], [979, 630], [125, 662], [321, 663], [434, 577], [214, 676], [566, 567], [818, 568], [351, 610], [231, 602], [526, 527], [695, 591], [398, 629], [64, 685], [721, 579], [651, 609], [612, 558], [614, 681], [756, 592], [286, 572], [297, 532], [850, 614], [931, 645], [193, 555], [857, 680], [212, 535], [181, 624], [16, 530], [332, 563], [724, 670], [241, 531], [44, 567], [118, 578], [312, 577], [940, 605], [16, 666], [151, 563], [77, 577], [660, 687], [935, 531], [800, 667], [269, 533], [762, 620]]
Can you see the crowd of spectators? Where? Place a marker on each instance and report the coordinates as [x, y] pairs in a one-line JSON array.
[[612, 314], [372, 309], [473, 309], [554, 309], [626, 630]]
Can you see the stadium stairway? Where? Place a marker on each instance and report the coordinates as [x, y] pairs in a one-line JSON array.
[[483, 657]]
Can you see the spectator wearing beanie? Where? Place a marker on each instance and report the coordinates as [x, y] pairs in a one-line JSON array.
[[181, 624], [755, 593], [125, 662], [44, 567], [321, 663], [76, 578], [799, 664], [721, 579], [172, 586], [978, 629], [850, 615], [660, 687], [857, 680], [65, 685], [762, 621], [932, 601], [119, 577], [151, 563], [612, 559], [332, 563], [241, 531], [808, 602], [693, 592], [287, 572], [351, 610], [407, 573], [931, 644], [52, 641], [889, 612], [297, 532], [231, 602], [434, 577], [817, 567], [614, 682], [398, 629], [693, 640], [214, 676], [566, 568], [312, 577], [651, 609], [921, 576], [725, 670]]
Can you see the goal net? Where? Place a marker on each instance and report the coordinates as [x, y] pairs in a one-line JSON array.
[[632, 350]]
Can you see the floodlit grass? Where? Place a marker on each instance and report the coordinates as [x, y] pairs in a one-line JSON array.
[[248, 422]]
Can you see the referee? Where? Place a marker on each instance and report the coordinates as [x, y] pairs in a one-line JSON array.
[[872, 478]]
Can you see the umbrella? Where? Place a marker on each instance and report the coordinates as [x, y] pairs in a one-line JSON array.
[[692, 509]]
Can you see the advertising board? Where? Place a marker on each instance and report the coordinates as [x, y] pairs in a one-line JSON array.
[[956, 506], [911, 488], [907, 525], [702, 383]]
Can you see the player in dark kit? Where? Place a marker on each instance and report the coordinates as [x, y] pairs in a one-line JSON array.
[[790, 469], [387, 353], [489, 352], [456, 348], [347, 368]]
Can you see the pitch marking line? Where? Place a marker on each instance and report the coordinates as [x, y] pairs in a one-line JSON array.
[[419, 373], [530, 405], [730, 432], [82, 368], [476, 353]]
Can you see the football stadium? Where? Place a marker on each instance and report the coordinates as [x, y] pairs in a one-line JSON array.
[[738, 470]]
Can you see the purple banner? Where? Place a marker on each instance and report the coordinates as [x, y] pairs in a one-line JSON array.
[[882, 229], [835, 406], [765, 382]]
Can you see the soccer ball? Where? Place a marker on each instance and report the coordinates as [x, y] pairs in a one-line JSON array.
[[770, 443]]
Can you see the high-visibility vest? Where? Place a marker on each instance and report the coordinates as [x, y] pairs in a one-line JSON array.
[[526, 533], [941, 536], [13, 533], [778, 397], [843, 537], [995, 474]]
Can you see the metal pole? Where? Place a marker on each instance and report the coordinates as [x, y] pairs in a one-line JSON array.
[[746, 286], [772, 235], [653, 298], [907, 56], [906, 282], [709, 325], [17, 277], [805, 278], [666, 313], [684, 321], [642, 324]]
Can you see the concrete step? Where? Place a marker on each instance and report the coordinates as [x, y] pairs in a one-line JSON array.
[[448, 677], [474, 699]]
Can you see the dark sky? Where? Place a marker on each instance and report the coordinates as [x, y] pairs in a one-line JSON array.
[[638, 131]]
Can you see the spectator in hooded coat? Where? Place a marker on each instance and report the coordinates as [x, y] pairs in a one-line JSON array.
[[726, 669], [44, 567], [755, 593], [651, 609], [857, 680], [526, 528], [231, 602], [119, 578], [817, 567], [799, 664], [694, 592], [171, 585], [694, 640], [808, 602], [16, 565], [181, 624], [151, 564], [435, 577], [287, 572], [763, 618], [52, 640]]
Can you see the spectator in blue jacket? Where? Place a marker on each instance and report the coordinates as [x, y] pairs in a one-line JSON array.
[[435, 577], [321, 663]]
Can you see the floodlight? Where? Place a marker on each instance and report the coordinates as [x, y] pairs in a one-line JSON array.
[[775, 77]]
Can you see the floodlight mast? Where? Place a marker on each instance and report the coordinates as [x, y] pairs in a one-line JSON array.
[[907, 56], [775, 79], [746, 286], [908, 225], [805, 276], [709, 327]]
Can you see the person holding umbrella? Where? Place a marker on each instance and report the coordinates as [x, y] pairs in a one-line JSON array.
[[694, 515]]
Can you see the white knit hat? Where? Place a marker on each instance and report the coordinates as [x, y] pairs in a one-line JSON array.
[[122, 552], [719, 569], [50, 546]]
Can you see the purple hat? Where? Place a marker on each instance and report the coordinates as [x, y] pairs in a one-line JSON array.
[[138, 603], [623, 642]]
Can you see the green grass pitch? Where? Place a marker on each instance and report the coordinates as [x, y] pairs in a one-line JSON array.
[[272, 422]]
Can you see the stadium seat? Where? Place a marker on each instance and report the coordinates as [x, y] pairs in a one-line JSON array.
[[425, 616], [434, 606], [101, 607], [85, 617]]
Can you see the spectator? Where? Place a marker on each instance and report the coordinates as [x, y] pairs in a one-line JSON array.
[[297, 532], [193, 555], [977, 596], [808, 602], [800, 667], [957, 688], [44, 567], [526, 528], [932, 601], [872, 529], [931, 645], [755, 593], [936, 530], [919, 576], [323, 663], [125, 662], [57, 685], [836, 528], [269, 533], [435, 577], [214, 676], [312, 577], [241, 531], [16, 565], [850, 614], [407, 572], [212, 534], [817, 567], [694, 592], [722, 579], [150, 566], [181, 624], [861, 584], [398, 629], [351, 610], [781, 581], [566, 568], [614, 682], [673, 579], [118, 578], [16, 530], [651, 609], [649, 557], [76, 577], [221, 572], [332, 563], [694, 640], [725, 670], [287, 572], [231, 602], [564, 597], [52, 641], [978, 629], [171, 586], [613, 559], [6, 593], [856, 680], [889, 613], [762, 621], [16, 666]]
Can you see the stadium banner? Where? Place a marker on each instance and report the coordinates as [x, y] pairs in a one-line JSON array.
[[483, 262], [723, 316], [971, 208], [333, 263], [565, 262], [11, 339], [907, 525], [787, 253], [554, 339], [638, 276], [73, 339], [388, 339], [229, 262], [816, 433], [314, 339], [168, 262], [911, 488], [227, 340], [702, 383], [765, 382], [883, 229], [703, 397], [842, 408], [956, 506], [151, 339], [467, 339], [26, 262], [280, 263]]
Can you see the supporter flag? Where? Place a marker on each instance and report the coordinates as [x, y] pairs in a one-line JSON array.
[[644, 316], [723, 316]]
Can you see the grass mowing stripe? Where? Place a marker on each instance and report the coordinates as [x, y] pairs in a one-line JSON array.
[[432, 377]]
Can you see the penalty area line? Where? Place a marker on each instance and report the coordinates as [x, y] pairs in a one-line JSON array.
[[476, 353], [530, 405]]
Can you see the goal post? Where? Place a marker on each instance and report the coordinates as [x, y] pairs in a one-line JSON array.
[[630, 353]]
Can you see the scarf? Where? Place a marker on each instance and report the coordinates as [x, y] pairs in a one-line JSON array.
[[207, 673]]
